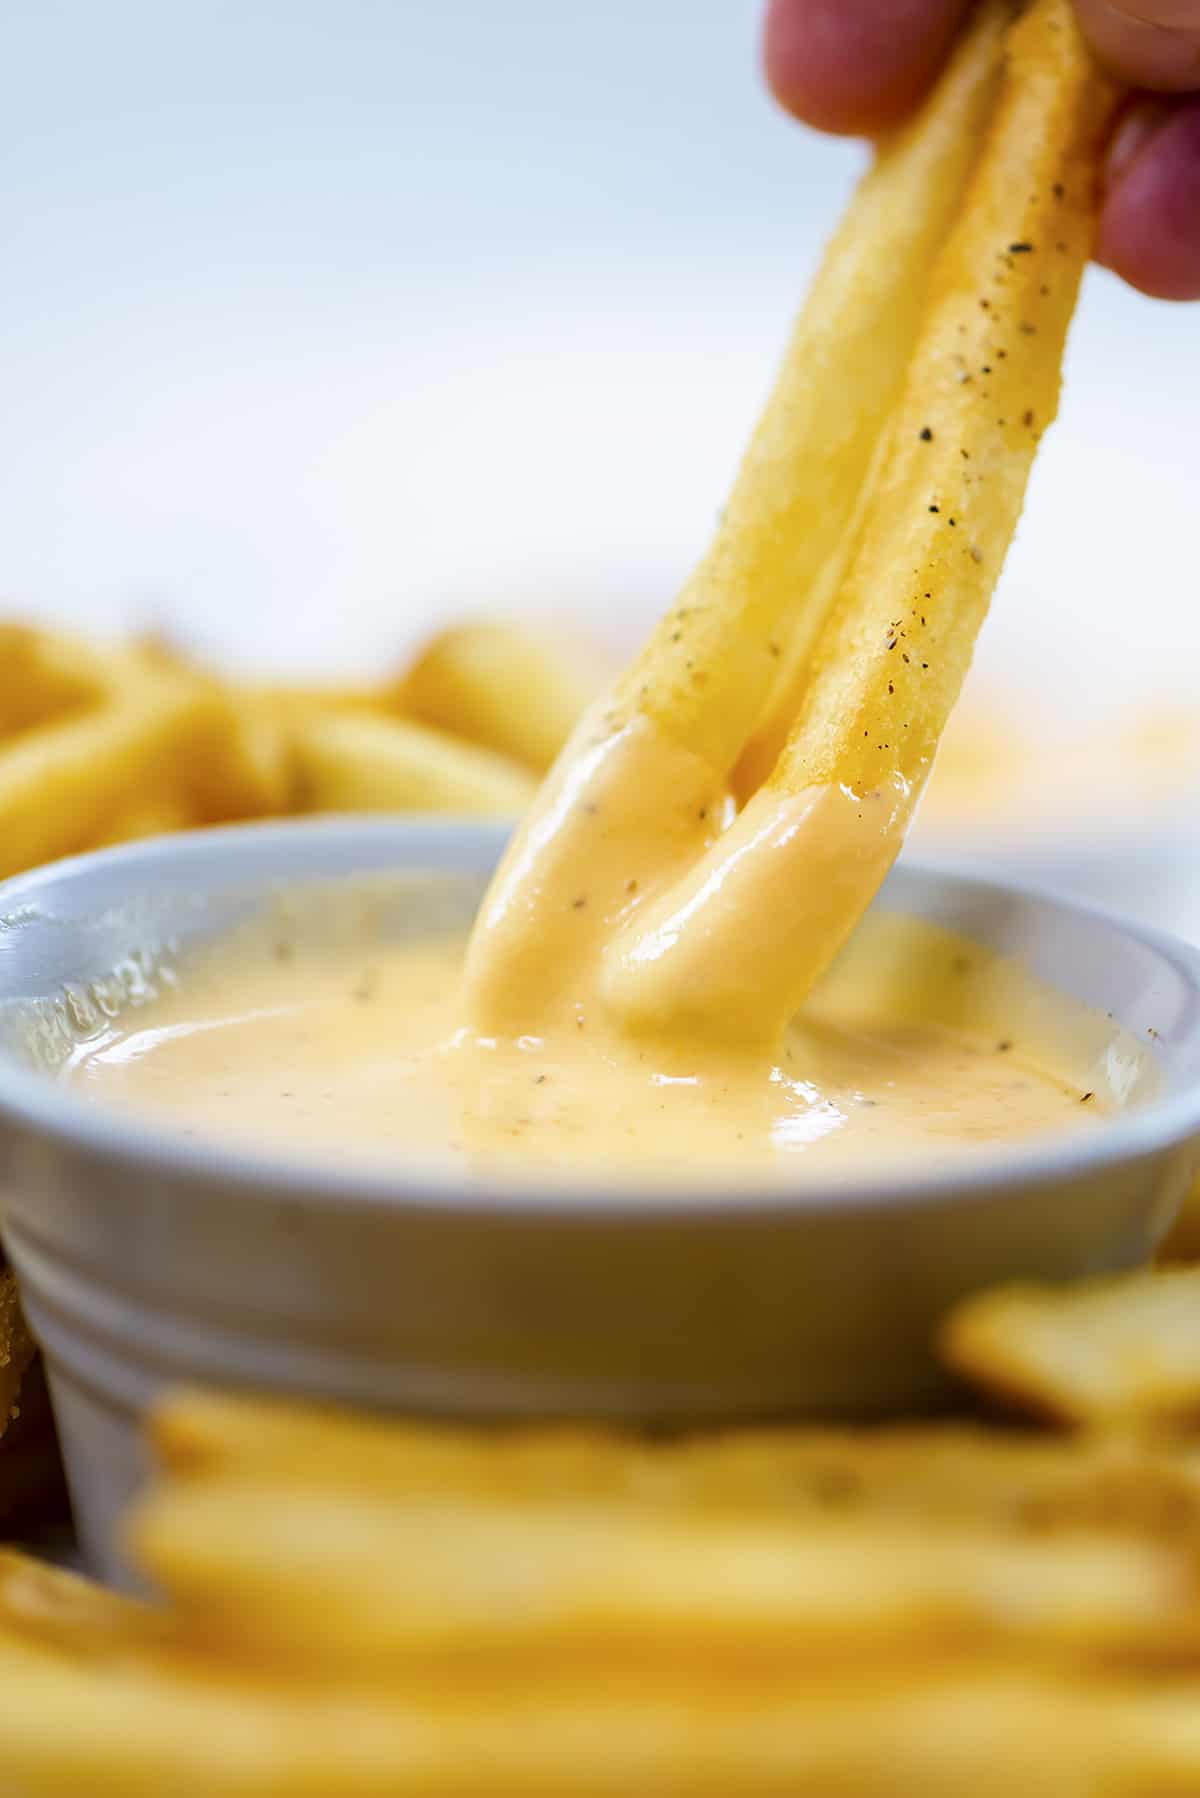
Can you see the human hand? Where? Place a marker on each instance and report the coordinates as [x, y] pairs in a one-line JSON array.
[[859, 66]]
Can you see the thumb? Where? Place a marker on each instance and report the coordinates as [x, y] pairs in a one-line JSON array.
[[1149, 43]]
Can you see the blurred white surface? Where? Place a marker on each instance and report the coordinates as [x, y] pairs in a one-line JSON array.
[[325, 321]]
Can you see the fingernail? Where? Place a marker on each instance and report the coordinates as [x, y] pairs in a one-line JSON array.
[[1134, 131]]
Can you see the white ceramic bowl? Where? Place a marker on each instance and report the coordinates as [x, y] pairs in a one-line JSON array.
[[146, 1258]]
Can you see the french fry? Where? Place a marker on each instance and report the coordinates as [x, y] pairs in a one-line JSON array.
[[809, 850], [508, 689], [291, 699], [151, 815], [47, 676], [246, 768], [1183, 1241], [145, 1728], [928, 490], [45, 1607], [981, 389], [1121, 1350], [332, 1632], [357, 762], [101, 745]]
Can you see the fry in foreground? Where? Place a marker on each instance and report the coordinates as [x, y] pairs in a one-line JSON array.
[[696, 924]]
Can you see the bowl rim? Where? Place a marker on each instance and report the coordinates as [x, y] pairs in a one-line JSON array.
[[33, 1102]]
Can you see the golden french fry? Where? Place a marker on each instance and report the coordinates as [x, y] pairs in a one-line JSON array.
[[809, 850], [49, 1608], [1004, 1480], [981, 389], [1112, 1350], [509, 689], [60, 783], [640, 790], [359, 762], [143, 1729], [1183, 1242], [136, 744], [16, 1347], [68, 705], [711, 663], [362, 1577], [102, 745], [199, 1434], [637, 799], [247, 770]]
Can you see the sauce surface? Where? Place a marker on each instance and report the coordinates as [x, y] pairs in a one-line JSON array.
[[355, 1051]]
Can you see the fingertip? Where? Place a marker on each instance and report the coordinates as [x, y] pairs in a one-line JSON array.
[[856, 67], [1150, 222], [1152, 44]]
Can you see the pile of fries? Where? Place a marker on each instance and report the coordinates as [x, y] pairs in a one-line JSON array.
[[100, 744], [362, 1608]]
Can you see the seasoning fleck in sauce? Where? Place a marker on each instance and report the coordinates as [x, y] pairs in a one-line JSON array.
[[914, 1049]]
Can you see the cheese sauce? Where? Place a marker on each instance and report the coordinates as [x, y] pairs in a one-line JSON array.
[[352, 1048]]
